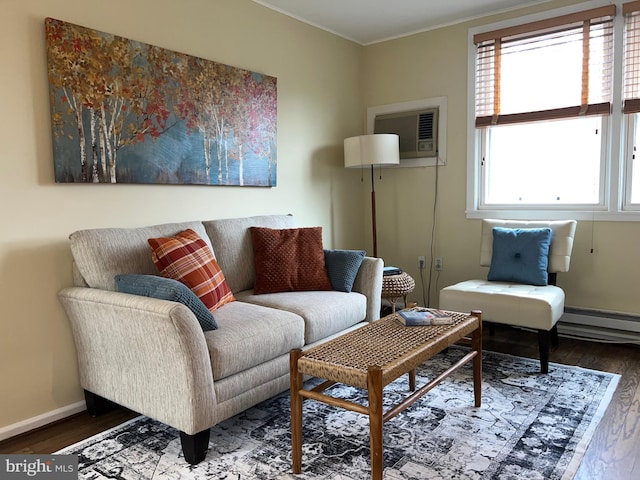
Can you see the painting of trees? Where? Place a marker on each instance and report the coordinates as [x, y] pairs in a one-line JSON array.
[[127, 112]]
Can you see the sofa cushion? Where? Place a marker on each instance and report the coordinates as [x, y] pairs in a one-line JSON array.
[[100, 254], [233, 247], [520, 255], [324, 312], [249, 335], [167, 289], [342, 267], [289, 260], [187, 258]]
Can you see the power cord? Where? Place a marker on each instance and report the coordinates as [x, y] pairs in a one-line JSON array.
[[421, 269], [433, 233]]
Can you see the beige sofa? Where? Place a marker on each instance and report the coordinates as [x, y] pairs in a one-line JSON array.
[[153, 357]]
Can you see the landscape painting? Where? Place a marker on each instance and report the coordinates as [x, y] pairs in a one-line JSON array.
[[127, 112]]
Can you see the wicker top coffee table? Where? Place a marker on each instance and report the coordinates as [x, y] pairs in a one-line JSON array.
[[371, 358]]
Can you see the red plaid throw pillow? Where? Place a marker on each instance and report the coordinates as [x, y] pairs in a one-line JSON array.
[[188, 259]]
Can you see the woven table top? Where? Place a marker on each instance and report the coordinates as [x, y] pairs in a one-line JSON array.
[[397, 285], [386, 343]]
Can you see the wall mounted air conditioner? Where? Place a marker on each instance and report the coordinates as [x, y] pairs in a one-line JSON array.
[[417, 129]]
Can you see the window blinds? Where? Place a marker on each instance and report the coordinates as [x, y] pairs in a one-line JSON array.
[[554, 68], [631, 92]]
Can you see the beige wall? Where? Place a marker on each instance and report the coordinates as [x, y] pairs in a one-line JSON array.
[[434, 64], [319, 104]]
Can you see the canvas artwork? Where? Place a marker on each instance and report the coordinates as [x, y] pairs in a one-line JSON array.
[[128, 112]]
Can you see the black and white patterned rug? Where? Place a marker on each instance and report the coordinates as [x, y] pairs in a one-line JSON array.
[[530, 426]]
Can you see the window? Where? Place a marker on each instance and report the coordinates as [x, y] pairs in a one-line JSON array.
[[549, 131], [522, 156], [631, 105]]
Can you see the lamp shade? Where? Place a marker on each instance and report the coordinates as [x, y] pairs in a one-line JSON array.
[[377, 149]]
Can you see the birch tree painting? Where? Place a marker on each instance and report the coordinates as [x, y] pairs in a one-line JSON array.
[[127, 112]]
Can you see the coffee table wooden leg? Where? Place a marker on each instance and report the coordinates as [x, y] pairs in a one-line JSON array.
[[374, 387], [412, 380], [296, 411], [476, 344]]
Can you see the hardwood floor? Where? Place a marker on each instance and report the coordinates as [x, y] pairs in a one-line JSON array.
[[613, 454], [55, 436], [614, 451]]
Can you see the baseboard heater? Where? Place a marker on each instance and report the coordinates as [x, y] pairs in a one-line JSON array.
[[600, 325]]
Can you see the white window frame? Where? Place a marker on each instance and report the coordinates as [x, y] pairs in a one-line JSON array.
[[614, 205], [629, 126], [603, 180]]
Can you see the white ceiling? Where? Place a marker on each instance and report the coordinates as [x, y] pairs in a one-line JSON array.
[[372, 21]]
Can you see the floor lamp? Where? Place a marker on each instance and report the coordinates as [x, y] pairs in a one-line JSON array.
[[369, 151]]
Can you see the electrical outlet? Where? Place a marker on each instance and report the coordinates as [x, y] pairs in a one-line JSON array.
[[438, 263], [421, 262]]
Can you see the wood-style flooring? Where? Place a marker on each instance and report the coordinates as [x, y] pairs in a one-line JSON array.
[[613, 454]]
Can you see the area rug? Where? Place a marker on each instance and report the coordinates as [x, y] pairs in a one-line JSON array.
[[529, 426]]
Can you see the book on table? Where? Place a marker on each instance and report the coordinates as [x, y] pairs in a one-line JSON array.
[[415, 317], [387, 271]]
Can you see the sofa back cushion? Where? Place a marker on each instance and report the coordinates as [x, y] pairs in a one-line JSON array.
[[231, 240], [102, 253]]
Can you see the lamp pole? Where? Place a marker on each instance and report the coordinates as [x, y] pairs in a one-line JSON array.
[[373, 214]]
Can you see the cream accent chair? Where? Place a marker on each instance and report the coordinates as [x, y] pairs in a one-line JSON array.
[[536, 307]]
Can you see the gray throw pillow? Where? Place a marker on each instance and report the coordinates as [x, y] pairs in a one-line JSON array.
[[167, 289], [342, 267]]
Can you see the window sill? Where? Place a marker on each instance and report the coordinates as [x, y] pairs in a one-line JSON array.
[[534, 214]]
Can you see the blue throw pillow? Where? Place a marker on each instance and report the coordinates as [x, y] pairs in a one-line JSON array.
[[167, 289], [520, 255], [342, 267]]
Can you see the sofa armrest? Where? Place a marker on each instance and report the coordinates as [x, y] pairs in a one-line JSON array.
[[146, 354], [369, 283]]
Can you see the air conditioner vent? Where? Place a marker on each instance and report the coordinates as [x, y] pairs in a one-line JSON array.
[[425, 126]]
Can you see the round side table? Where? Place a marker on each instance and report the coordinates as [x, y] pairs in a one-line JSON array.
[[396, 286]]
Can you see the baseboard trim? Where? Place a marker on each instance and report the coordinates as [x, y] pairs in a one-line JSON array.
[[41, 420]]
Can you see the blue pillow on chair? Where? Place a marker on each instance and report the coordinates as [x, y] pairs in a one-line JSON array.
[[520, 255], [167, 289], [342, 267]]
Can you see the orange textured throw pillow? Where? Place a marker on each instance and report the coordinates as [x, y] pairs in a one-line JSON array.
[[289, 260], [188, 259]]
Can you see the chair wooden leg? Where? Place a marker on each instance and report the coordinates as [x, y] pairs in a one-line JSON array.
[[194, 447], [492, 329], [554, 336], [543, 342]]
